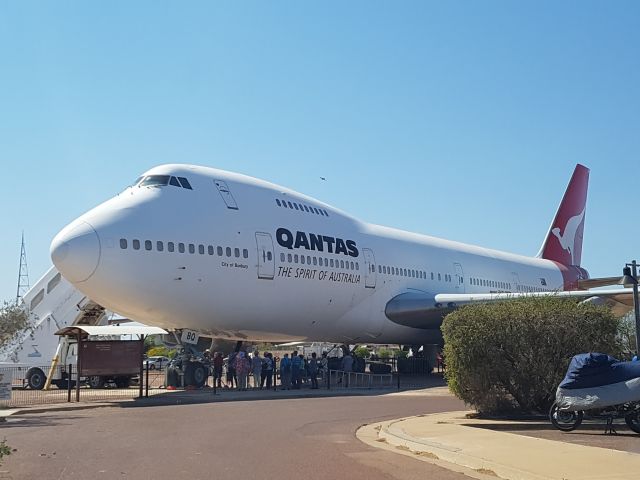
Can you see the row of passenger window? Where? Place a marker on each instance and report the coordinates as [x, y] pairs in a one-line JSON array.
[[301, 207], [412, 273], [481, 282], [530, 288], [319, 261], [185, 247]]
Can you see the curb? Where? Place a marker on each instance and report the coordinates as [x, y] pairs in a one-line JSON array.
[[376, 436]]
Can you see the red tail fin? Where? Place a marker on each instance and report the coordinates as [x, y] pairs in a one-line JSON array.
[[563, 243]]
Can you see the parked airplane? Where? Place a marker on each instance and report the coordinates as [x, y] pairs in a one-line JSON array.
[[231, 256]]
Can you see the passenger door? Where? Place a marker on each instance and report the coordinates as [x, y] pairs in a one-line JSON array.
[[266, 258], [369, 268], [226, 195], [459, 278], [516, 282]]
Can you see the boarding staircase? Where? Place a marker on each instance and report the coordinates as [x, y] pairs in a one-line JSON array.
[[51, 304]]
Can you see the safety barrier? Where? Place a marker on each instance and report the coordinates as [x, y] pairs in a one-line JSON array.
[[342, 379], [16, 392]]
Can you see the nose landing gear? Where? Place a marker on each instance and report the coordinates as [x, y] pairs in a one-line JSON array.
[[189, 368]]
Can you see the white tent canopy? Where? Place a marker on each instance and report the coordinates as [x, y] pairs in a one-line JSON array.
[[112, 330]]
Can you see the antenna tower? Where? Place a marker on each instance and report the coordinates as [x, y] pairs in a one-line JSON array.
[[23, 273]]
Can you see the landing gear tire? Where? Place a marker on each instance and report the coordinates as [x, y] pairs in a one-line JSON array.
[[633, 421], [565, 420], [195, 375], [199, 376], [173, 377], [35, 379], [122, 382], [96, 381]]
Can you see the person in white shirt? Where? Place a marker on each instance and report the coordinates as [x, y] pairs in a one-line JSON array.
[[256, 368]]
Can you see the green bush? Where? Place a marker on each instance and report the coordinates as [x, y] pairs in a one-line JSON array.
[[384, 353], [513, 354], [4, 449], [627, 335], [401, 353], [158, 352], [362, 352]]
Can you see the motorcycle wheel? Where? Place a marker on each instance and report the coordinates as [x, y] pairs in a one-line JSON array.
[[565, 420], [633, 421]]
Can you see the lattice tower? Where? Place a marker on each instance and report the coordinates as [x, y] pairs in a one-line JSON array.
[[23, 273]]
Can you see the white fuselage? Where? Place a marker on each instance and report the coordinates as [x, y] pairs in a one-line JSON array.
[[246, 272]]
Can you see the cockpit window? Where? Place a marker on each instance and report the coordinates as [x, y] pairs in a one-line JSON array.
[[163, 180], [155, 180], [185, 183]]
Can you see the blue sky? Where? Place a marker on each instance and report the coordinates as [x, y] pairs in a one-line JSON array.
[[462, 120]]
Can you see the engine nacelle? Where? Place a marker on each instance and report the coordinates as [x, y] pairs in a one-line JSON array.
[[417, 310]]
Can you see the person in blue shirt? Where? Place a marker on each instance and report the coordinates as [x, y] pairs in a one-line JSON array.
[[313, 370], [296, 361], [285, 372]]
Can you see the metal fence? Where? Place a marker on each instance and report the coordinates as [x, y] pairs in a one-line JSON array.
[[153, 382], [341, 379], [65, 387]]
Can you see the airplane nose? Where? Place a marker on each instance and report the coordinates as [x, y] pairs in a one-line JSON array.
[[75, 251]]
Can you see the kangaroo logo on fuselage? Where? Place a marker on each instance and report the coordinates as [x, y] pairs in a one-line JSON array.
[[568, 238]]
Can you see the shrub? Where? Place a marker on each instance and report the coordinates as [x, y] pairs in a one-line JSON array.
[[400, 353], [384, 353], [627, 335], [158, 352], [513, 354], [4, 449], [362, 352]]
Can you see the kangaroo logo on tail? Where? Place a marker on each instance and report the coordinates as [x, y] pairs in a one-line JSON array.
[[563, 243], [568, 238]]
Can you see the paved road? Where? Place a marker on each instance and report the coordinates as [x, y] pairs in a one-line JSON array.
[[311, 438]]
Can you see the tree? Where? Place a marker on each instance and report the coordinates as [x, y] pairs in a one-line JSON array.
[[513, 354], [13, 319]]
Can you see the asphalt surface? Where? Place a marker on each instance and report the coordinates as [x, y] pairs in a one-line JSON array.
[[308, 438]]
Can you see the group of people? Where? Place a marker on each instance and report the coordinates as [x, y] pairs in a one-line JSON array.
[[250, 370]]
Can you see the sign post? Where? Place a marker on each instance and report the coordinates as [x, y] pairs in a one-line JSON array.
[[5, 385]]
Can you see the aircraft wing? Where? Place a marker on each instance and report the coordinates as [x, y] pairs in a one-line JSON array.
[[420, 309], [597, 282], [619, 299], [466, 298]]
